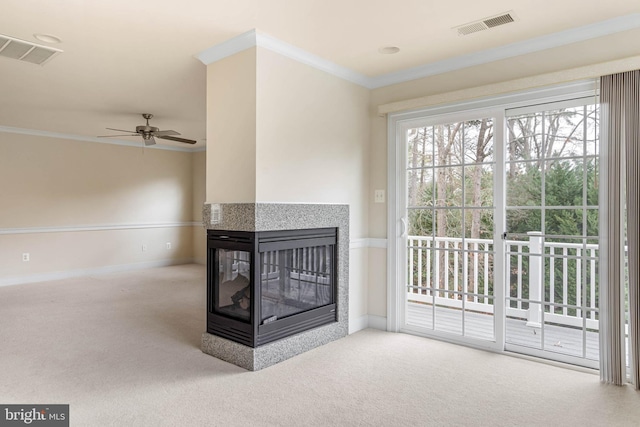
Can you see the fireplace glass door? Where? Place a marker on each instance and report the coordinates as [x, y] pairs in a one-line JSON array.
[[268, 285], [295, 280], [233, 297]]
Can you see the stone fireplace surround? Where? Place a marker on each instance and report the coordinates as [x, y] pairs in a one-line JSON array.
[[282, 216]]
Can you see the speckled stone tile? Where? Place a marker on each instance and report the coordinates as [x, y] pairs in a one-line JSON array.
[[283, 216], [233, 216]]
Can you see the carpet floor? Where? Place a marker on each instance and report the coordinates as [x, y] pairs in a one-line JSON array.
[[124, 350]]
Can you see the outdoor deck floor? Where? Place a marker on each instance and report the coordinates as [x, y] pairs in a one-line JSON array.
[[552, 338]]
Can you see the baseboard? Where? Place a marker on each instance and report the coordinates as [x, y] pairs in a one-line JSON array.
[[367, 321], [358, 323], [377, 322], [59, 275]]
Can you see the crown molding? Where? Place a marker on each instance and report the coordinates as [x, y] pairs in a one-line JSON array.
[[112, 141], [297, 54], [227, 48], [255, 38], [536, 44]]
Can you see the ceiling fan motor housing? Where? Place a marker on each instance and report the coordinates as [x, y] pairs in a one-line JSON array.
[[146, 131]]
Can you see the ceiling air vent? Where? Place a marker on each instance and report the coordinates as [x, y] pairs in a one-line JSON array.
[[485, 24], [26, 51]]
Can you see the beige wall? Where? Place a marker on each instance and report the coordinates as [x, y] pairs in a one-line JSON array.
[[231, 129], [54, 182], [199, 169], [313, 138], [282, 131], [99, 198]]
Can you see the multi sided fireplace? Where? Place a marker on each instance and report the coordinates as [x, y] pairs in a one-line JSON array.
[[267, 285]]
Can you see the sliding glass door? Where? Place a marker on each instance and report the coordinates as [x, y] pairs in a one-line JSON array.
[[552, 155], [497, 244], [450, 219]]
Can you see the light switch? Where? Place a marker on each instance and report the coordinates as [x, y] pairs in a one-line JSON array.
[[379, 196]]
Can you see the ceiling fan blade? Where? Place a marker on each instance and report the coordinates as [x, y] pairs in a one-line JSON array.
[[165, 132], [173, 138], [149, 141], [122, 130], [111, 136]]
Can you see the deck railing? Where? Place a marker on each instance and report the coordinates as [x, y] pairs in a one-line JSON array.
[[563, 275]]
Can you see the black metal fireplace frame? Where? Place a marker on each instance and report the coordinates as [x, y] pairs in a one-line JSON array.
[[252, 333]]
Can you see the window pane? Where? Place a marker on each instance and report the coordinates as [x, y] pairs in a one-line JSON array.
[[448, 186], [479, 223], [420, 147], [564, 222], [421, 222], [448, 223], [524, 138], [524, 184], [478, 141], [593, 176], [522, 221], [478, 185], [448, 144], [564, 132], [420, 187], [592, 141], [593, 218], [563, 183]]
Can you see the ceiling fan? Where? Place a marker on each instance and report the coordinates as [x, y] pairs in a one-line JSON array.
[[149, 133]]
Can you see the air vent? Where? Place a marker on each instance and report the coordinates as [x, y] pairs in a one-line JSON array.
[[26, 51], [485, 24]]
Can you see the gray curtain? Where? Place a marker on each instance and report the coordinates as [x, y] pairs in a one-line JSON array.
[[620, 161]]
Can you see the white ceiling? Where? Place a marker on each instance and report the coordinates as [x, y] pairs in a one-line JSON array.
[[125, 57]]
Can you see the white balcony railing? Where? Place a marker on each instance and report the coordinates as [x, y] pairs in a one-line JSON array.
[[570, 286]]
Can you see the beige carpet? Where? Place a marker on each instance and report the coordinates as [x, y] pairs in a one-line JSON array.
[[123, 350]]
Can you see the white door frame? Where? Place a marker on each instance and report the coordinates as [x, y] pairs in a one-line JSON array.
[[397, 221], [396, 190]]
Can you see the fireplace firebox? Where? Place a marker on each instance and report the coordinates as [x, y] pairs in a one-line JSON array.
[[266, 285]]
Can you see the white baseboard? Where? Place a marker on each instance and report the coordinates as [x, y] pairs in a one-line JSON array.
[[59, 275], [358, 323], [377, 322], [367, 321]]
